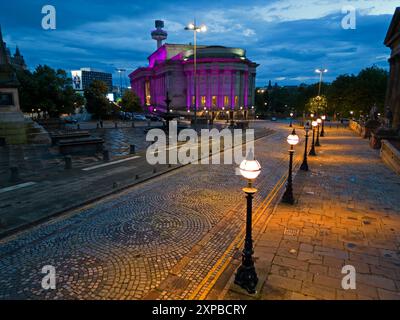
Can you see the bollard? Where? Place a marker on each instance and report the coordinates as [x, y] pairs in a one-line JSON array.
[[133, 124], [78, 126], [14, 176], [136, 176], [97, 125], [106, 155], [132, 149], [154, 170], [68, 162], [116, 125]]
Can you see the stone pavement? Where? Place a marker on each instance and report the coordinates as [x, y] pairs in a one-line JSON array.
[[347, 213], [157, 240]]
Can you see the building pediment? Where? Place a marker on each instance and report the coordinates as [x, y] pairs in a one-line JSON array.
[[392, 39]]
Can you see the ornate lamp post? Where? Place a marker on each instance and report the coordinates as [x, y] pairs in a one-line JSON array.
[[246, 276], [321, 72], [193, 27], [291, 120], [312, 151], [292, 139], [304, 165], [323, 117], [319, 121]]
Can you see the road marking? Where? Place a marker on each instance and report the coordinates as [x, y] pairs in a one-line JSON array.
[[110, 163], [18, 186]]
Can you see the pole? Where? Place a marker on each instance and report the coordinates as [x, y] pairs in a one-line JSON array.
[[320, 82], [288, 195], [246, 276], [317, 144], [195, 76], [304, 165], [312, 151], [322, 129]]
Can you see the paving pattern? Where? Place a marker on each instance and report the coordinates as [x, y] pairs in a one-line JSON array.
[[158, 239], [347, 213]]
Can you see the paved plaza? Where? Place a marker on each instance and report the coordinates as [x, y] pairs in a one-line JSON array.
[[347, 213], [158, 239], [179, 235]]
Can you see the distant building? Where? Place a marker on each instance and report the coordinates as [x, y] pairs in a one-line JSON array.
[[81, 79], [225, 77], [17, 60]]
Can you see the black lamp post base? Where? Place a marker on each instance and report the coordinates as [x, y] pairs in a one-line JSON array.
[[322, 134], [288, 197], [246, 278], [312, 152], [304, 166]]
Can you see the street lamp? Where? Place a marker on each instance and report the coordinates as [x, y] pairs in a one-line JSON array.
[[193, 27], [292, 139], [291, 120], [312, 151], [319, 121], [321, 72], [323, 118], [304, 165], [312, 115], [246, 276]]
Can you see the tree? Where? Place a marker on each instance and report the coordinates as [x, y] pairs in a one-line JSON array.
[[130, 102], [47, 89], [96, 100], [317, 105]]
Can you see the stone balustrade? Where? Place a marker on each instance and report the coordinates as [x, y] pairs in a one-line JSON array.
[[390, 156]]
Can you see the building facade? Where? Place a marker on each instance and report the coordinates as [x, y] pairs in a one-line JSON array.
[[81, 79], [392, 41], [225, 79]]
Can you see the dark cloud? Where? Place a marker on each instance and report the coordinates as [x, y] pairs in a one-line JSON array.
[[289, 41]]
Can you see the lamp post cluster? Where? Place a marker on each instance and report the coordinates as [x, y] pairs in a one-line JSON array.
[[246, 276]]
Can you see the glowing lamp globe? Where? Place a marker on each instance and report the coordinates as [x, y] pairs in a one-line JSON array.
[[293, 138], [312, 115], [319, 121], [291, 114], [190, 26], [314, 123], [323, 117], [203, 28], [250, 168]]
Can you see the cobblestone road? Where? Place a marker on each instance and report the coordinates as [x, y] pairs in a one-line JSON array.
[[156, 240]]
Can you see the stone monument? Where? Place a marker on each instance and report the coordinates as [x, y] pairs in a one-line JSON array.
[[14, 127], [392, 41]]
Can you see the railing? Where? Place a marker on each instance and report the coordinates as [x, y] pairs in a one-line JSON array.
[[390, 156]]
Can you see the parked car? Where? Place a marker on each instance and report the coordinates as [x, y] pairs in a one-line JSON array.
[[70, 121], [273, 119], [139, 117]]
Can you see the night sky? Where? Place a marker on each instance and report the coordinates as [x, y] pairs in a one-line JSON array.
[[288, 38]]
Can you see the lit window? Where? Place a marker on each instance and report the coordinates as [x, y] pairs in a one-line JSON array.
[[226, 101], [193, 100], [236, 101], [214, 101], [203, 101]]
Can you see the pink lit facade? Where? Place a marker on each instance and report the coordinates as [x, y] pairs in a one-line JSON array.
[[225, 79]]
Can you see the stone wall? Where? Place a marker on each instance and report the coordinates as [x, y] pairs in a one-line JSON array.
[[390, 156]]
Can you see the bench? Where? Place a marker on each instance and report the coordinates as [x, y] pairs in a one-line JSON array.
[[57, 137], [81, 146]]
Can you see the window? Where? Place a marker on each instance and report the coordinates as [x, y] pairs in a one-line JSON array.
[[147, 92], [214, 101], [226, 101], [236, 101], [203, 101], [193, 101]]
